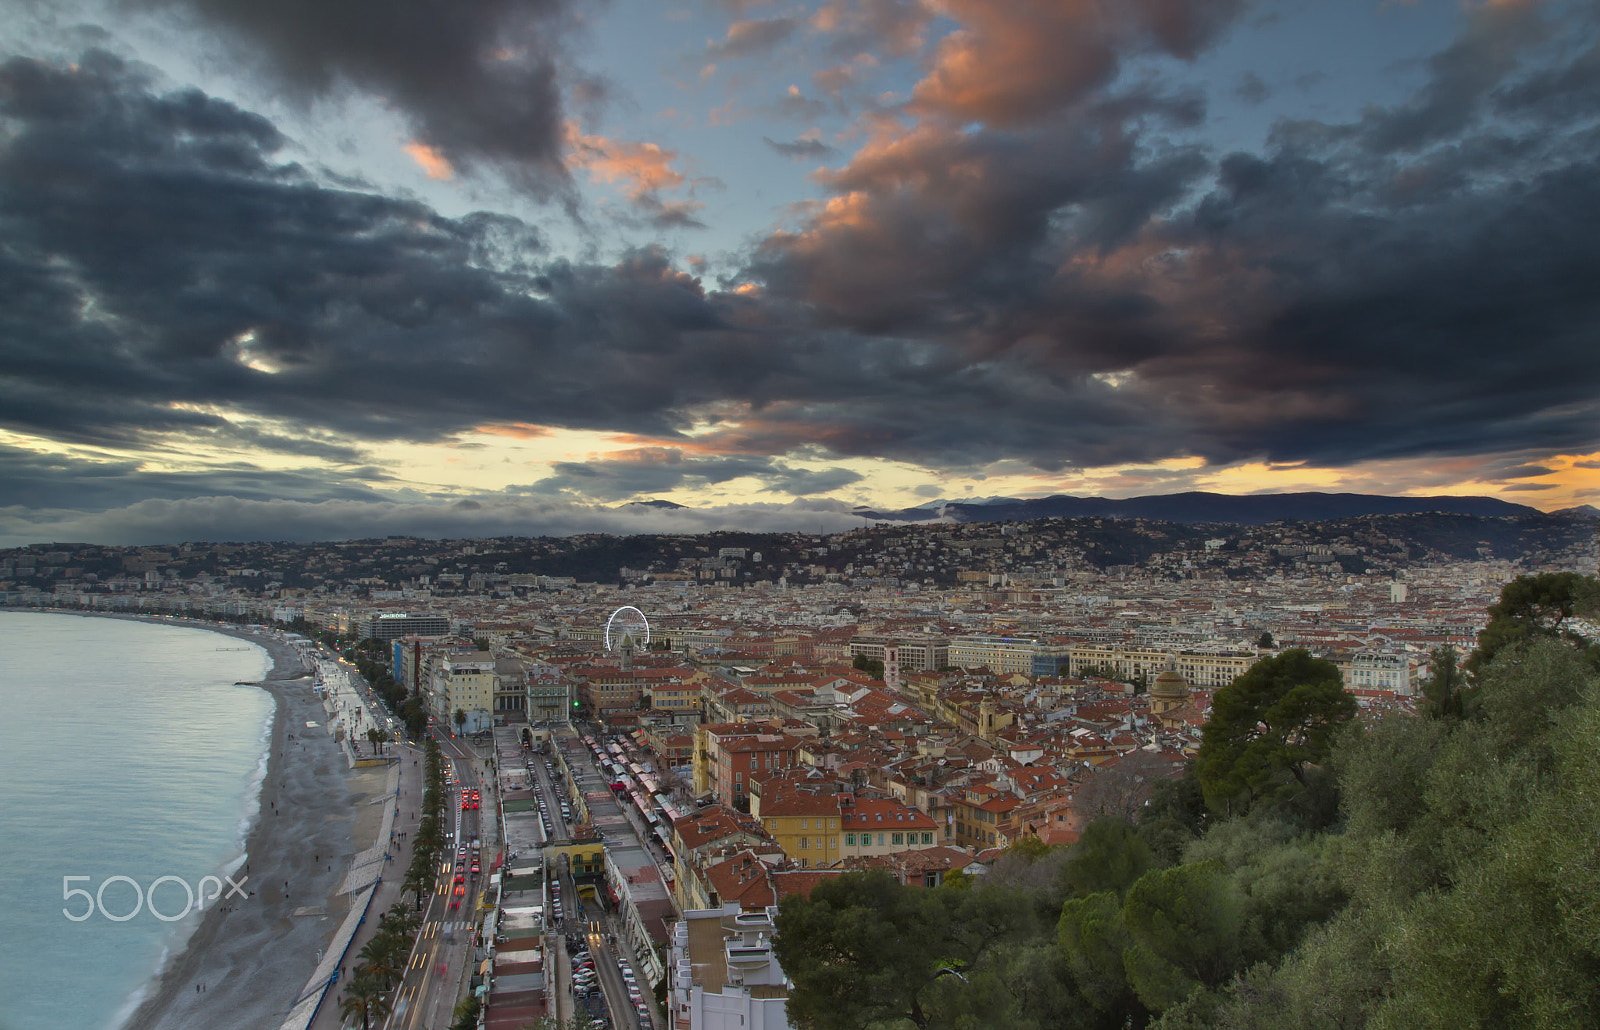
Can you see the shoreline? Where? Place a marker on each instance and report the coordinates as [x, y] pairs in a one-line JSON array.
[[253, 955]]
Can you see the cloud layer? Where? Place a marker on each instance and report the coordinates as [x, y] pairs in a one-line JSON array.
[[1027, 261]]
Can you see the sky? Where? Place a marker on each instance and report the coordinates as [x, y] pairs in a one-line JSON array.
[[312, 270]]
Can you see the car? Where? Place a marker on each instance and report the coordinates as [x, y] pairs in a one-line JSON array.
[[461, 891], [461, 878]]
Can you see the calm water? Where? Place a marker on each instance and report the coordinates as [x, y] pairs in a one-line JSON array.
[[126, 750]]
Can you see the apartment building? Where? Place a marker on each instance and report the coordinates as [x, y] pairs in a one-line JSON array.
[[1205, 669], [1003, 655], [724, 974], [463, 684], [920, 652]]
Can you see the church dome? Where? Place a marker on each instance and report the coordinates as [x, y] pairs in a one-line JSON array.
[[1170, 684]]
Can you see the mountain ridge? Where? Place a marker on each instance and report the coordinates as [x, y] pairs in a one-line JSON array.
[[1197, 506]]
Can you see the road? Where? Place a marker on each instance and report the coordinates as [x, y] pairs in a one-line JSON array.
[[433, 979]]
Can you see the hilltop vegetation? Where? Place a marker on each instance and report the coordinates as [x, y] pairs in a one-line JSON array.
[[1312, 871]]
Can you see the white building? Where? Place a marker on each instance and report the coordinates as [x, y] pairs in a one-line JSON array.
[[724, 974]]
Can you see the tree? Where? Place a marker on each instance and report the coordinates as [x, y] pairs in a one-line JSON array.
[[1173, 815], [871, 666], [1109, 856], [1183, 927], [1121, 786], [860, 950], [1093, 938], [1534, 606], [461, 719], [1264, 641], [467, 1014], [364, 996], [1443, 687], [1279, 717], [383, 957]]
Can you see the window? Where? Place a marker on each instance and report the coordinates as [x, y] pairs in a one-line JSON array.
[[899, 838], [880, 840], [802, 824], [772, 825], [805, 843], [849, 840], [833, 824], [927, 838]]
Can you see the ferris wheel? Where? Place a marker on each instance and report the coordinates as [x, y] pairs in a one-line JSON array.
[[627, 621]]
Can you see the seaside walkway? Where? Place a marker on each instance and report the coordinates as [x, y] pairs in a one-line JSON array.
[[361, 881]]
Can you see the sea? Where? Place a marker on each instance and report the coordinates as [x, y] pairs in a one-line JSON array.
[[130, 771]]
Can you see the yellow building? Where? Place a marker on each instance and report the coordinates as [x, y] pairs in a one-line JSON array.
[[1207, 670]]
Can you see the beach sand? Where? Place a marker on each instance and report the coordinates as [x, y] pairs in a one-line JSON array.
[[253, 956]]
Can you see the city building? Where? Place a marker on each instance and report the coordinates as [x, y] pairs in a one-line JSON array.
[[724, 974]]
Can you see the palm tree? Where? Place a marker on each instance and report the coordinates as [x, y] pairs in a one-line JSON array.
[[402, 918], [461, 719], [382, 958], [363, 995]]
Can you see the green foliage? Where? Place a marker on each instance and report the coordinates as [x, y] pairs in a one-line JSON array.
[[1183, 924], [1093, 940], [467, 1014], [1279, 717], [1517, 943], [1445, 685], [871, 666], [1534, 607], [1109, 856], [1173, 815], [861, 949]]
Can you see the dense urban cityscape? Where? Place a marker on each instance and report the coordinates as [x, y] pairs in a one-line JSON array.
[[771, 709]]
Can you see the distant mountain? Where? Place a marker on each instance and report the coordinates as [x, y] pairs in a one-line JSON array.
[[657, 503], [1197, 506], [1581, 511]]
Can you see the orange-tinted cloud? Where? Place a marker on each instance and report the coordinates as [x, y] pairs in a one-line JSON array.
[[432, 161], [516, 430], [641, 168], [1013, 62]]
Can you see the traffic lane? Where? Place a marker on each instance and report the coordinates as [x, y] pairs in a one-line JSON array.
[[624, 1011]]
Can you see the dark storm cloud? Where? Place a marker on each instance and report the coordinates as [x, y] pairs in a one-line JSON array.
[[1408, 283], [481, 82], [1070, 290], [157, 262], [32, 480], [660, 470]]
